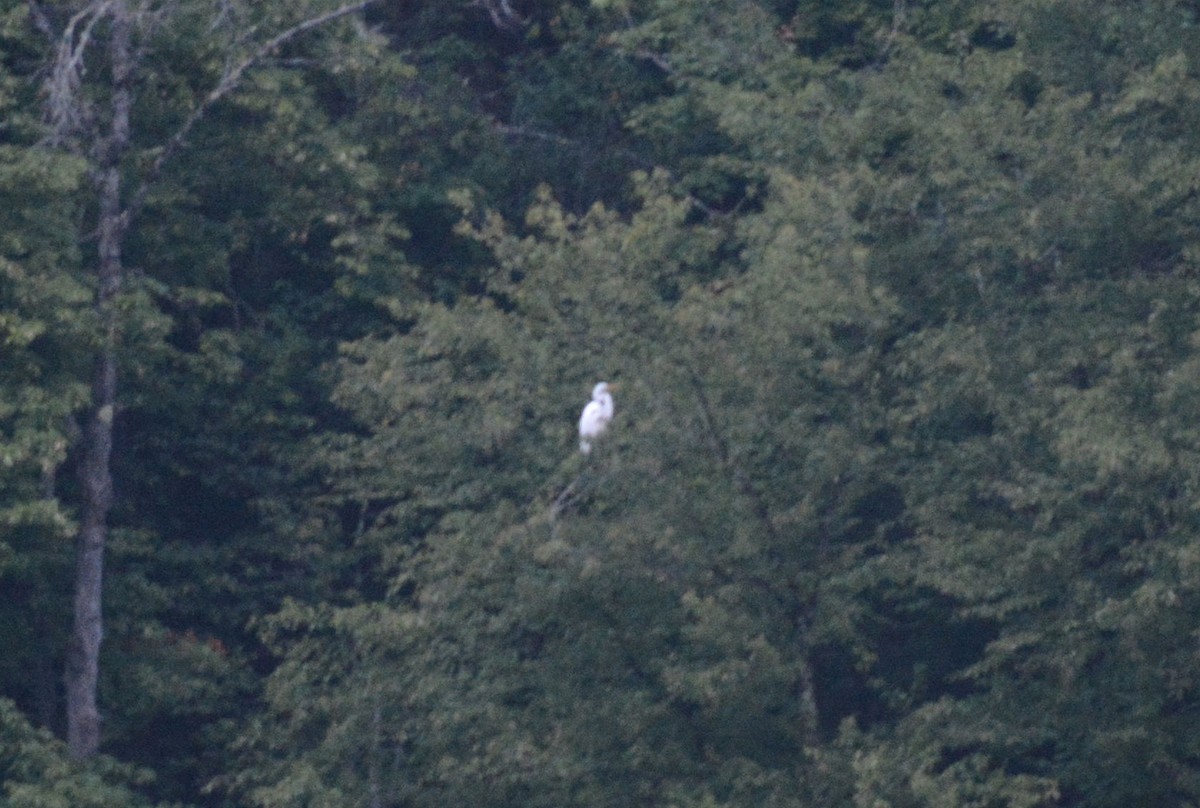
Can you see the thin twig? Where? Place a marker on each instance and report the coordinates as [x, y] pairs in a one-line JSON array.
[[564, 497], [502, 14], [656, 59]]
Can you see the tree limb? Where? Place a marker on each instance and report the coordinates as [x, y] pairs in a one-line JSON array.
[[228, 83], [502, 14], [64, 106]]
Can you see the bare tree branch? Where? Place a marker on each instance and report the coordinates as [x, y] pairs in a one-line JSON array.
[[228, 83], [65, 108], [502, 14], [656, 59]]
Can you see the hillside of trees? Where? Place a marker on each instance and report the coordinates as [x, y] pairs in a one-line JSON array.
[[300, 301]]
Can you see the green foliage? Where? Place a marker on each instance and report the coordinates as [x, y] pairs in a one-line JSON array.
[[44, 320], [894, 373], [1051, 512], [42, 304], [653, 603], [897, 508], [36, 772]]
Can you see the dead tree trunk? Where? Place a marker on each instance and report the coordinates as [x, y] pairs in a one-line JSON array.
[[104, 138], [96, 481]]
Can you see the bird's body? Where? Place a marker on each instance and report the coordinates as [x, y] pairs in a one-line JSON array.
[[596, 416]]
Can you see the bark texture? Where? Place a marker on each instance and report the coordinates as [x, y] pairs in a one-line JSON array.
[[83, 652], [103, 134]]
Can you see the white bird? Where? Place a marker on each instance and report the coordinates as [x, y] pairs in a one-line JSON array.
[[596, 415]]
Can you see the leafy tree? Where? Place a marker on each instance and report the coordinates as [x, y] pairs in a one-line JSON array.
[[43, 315], [860, 435], [896, 506], [98, 118], [525, 580]]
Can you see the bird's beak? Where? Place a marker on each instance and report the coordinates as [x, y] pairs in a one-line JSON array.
[[612, 386]]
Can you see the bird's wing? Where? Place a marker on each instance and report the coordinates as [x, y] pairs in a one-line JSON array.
[[592, 420]]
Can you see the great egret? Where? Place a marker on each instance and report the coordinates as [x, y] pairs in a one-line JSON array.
[[596, 415]]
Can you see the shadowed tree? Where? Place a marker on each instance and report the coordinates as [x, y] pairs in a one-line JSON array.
[[91, 113]]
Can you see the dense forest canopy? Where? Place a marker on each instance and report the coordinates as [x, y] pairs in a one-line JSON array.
[[300, 303]]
